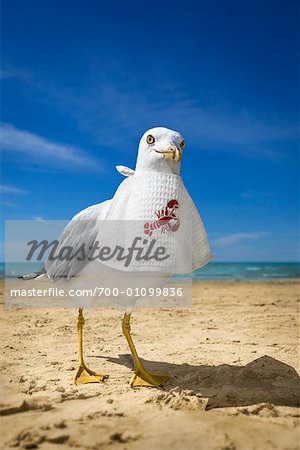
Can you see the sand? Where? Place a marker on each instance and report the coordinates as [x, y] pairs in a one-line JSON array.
[[234, 358]]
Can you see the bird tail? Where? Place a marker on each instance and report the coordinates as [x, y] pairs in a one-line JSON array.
[[33, 275]]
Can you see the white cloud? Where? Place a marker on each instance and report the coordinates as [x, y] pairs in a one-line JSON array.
[[5, 189], [39, 219], [236, 238], [40, 149], [214, 123]]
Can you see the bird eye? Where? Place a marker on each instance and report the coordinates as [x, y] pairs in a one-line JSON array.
[[182, 145], [150, 139]]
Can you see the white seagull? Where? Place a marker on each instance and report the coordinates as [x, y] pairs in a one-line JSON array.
[[154, 194]]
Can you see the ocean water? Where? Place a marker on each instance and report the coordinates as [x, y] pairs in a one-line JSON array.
[[247, 271], [12, 270], [212, 271]]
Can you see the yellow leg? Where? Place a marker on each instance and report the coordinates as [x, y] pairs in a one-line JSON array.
[[83, 374], [141, 377]]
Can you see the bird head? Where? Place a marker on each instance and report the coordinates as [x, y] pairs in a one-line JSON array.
[[160, 150]]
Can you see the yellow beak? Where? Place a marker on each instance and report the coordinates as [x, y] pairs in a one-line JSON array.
[[172, 152]]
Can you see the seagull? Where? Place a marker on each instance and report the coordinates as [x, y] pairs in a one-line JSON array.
[[154, 194]]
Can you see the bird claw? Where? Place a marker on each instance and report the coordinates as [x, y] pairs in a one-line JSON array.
[[148, 379], [85, 375]]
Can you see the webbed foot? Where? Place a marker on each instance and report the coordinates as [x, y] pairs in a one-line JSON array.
[[85, 375]]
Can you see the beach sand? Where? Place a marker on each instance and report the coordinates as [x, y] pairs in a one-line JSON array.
[[234, 358]]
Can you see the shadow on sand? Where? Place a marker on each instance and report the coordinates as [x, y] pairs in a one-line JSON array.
[[263, 380]]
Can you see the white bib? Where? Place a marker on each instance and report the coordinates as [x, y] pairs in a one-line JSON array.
[[155, 206]]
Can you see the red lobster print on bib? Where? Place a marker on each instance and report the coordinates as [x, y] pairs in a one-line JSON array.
[[167, 221]]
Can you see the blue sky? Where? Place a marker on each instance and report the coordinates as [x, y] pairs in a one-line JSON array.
[[82, 81]]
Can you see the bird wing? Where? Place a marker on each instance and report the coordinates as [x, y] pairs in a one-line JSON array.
[[126, 171], [81, 230]]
